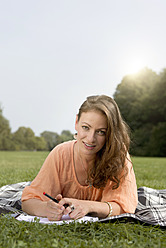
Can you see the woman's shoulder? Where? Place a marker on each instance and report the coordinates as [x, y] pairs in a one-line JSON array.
[[64, 147], [61, 152]]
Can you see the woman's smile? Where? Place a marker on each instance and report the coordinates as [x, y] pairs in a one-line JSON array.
[[88, 146], [91, 132]]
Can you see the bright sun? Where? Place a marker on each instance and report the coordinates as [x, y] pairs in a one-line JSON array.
[[135, 61], [135, 66]]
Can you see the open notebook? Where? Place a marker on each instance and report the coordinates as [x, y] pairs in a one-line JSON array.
[[65, 219]]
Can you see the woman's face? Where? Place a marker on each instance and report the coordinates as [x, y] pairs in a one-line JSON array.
[[91, 132]]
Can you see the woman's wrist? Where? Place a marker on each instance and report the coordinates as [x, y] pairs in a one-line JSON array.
[[99, 209], [110, 209]]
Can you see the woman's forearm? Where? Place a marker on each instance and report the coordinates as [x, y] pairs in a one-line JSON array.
[[37, 207], [34, 207], [102, 209], [93, 208]]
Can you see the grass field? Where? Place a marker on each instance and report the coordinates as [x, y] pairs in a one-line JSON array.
[[24, 166]]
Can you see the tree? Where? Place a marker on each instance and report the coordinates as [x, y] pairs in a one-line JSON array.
[[142, 102], [66, 135], [157, 142], [131, 96], [51, 138], [25, 139], [40, 144], [5, 133], [159, 97]]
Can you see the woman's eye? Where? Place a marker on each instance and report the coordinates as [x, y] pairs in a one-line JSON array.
[[85, 127], [100, 132]]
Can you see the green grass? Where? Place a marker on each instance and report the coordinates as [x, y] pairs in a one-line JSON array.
[[150, 172], [20, 166], [23, 166]]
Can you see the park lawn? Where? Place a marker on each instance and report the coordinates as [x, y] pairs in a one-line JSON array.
[[24, 166], [150, 172]]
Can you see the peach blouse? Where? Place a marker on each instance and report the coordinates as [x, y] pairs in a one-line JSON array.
[[57, 176]]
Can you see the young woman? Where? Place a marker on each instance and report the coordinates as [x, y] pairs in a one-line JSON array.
[[92, 174]]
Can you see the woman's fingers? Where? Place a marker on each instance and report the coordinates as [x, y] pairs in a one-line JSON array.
[[76, 209], [54, 210], [78, 212]]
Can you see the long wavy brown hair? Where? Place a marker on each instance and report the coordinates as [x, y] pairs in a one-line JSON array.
[[110, 160]]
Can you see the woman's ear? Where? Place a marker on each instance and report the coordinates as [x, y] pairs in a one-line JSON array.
[[76, 123]]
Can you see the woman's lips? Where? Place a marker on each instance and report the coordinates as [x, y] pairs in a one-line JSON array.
[[88, 146]]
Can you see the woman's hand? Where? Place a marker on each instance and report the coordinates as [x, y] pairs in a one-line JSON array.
[[49, 209], [54, 211], [77, 208]]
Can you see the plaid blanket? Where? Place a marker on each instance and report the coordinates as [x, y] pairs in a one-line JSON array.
[[10, 197], [151, 208]]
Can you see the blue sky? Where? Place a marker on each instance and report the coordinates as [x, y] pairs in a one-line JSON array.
[[53, 54]]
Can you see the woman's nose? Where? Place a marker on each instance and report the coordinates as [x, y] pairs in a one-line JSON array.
[[91, 137]]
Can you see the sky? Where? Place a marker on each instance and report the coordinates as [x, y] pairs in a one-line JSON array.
[[53, 54]]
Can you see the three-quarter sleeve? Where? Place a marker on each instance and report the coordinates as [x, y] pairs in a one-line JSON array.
[[47, 180]]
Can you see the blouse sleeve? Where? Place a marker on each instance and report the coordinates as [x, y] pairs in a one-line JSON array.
[[126, 194], [47, 180]]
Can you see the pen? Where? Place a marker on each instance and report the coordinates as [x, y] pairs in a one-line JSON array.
[[55, 200]]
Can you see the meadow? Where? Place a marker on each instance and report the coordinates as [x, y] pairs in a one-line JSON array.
[[24, 166]]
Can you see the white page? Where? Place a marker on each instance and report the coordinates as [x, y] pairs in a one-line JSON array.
[[65, 219]]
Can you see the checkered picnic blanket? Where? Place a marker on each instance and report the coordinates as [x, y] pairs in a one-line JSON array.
[[10, 197], [151, 208]]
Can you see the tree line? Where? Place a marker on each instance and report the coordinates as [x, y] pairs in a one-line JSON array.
[[141, 98], [24, 138]]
